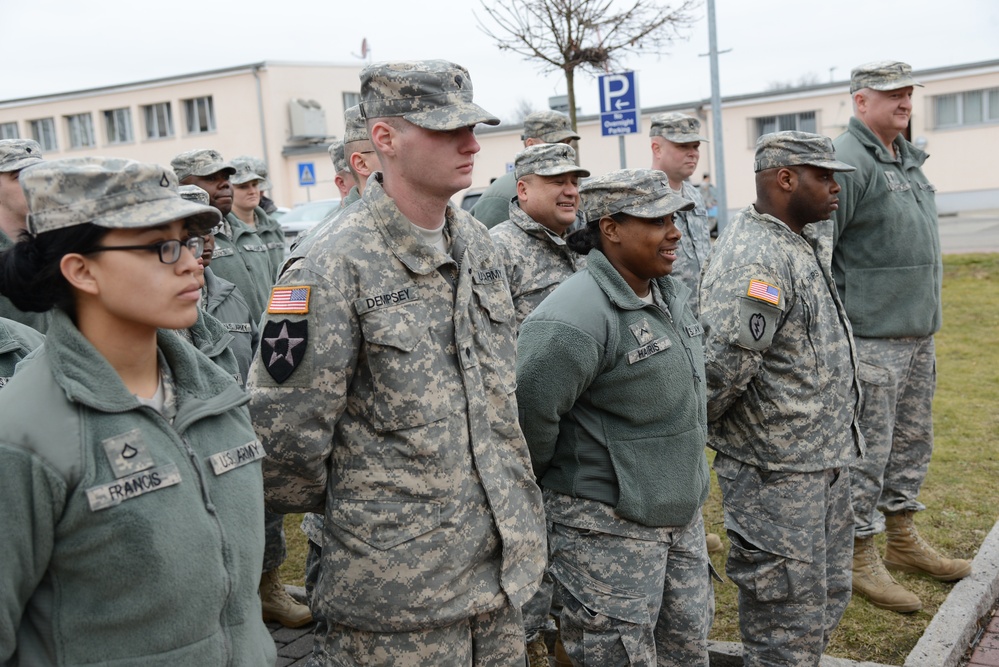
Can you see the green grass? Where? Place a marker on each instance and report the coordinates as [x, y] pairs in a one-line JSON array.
[[958, 487]]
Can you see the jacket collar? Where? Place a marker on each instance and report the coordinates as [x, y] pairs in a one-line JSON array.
[[87, 378], [619, 291], [906, 153], [532, 227]]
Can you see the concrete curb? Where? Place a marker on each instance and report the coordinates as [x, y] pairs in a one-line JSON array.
[[729, 654], [955, 624]]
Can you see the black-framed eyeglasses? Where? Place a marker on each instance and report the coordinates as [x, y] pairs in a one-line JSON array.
[[169, 250]]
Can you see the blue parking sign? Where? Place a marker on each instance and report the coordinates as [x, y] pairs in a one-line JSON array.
[[306, 173], [618, 104]]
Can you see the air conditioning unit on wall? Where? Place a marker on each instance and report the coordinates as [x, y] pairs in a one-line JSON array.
[[308, 120]]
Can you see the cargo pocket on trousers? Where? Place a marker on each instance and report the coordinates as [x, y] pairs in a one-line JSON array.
[[759, 573], [603, 615]]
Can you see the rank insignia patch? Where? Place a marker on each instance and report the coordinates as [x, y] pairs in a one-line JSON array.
[[293, 300], [282, 347]]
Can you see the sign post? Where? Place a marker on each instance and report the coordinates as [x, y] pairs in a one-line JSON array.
[[618, 107], [307, 177]]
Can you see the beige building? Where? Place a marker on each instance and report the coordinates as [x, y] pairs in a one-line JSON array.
[[283, 112], [287, 113], [955, 119]]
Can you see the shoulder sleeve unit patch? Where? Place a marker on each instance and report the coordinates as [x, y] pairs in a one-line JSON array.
[[291, 299], [763, 291]]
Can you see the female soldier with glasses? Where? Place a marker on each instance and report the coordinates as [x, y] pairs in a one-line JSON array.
[[129, 474]]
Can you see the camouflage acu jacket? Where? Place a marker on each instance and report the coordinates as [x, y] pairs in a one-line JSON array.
[[779, 353], [695, 244], [535, 258], [383, 394]]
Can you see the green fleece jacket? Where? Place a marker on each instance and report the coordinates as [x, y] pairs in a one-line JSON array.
[[16, 342], [128, 539], [886, 260], [612, 397]]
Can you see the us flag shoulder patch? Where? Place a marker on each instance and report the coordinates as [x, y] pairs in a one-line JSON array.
[[289, 299], [764, 291]]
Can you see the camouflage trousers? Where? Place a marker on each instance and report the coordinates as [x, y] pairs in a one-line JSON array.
[[898, 377], [791, 553], [538, 608], [275, 549], [630, 600], [493, 639]]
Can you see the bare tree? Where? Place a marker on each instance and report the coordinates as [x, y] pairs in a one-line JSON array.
[[523, 109], [590, 34]]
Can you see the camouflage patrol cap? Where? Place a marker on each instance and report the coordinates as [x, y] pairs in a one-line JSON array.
[[547, 160], [643, 193], [16, 154], [432, 94], [676, 127], [246, 171], [108, 192], [791, 148], [194, 193], [882, 75], [355, 129], [548, 126], [338, 156], [200, 162]]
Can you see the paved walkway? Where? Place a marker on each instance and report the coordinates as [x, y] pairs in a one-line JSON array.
[[293, 646], [986, 652]]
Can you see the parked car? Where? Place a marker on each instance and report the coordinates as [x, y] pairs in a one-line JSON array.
[[304, 217], [471, 196]]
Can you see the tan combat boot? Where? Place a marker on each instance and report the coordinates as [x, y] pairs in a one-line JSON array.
[[907, 551], [872, 581], [714, 543], [278, 606], [537, 653]]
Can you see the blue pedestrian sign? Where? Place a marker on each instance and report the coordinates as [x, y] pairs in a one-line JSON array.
[[618, 104], [306, 174]]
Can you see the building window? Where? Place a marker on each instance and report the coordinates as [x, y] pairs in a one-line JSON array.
[[973, 107], [200, 114], [9, 131], [159, 120], [43, 131], [351, 100], [80, 128], [803, 122], [118, 124]]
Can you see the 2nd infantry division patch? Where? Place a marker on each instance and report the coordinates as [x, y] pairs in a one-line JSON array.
[[282, 347]]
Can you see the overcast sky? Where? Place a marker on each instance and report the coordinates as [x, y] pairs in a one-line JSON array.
[[53, 46]]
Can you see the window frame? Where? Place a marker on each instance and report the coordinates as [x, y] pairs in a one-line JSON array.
[[118, 126], [193, 108], [153, 112], [48, 139], [74, 124]]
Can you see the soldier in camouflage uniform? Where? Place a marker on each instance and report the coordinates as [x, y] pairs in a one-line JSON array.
[[384, 397], [15, 155], [676, 141], [889, 272], [342, 178], [532, 241], [250, 178], [540, 127], [783, 397], [610, 386], [240, 256]]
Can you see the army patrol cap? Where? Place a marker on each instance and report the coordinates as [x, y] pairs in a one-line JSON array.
[[16, 154], [432, 94], [355, 129], [792, 148], [547, 160], [194, 193], [882, 75], [200, 162], [246, 171], [108, 192], [338, 156], [548, 126], [676, 127], [643, 193]]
